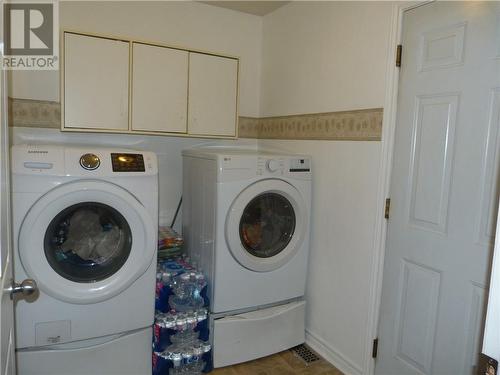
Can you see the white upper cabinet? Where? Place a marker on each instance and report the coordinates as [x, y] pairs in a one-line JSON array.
[[122, 85], [159, 89], [96, 83], [213, 86]]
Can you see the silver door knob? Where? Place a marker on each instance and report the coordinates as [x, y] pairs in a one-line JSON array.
[[27, 288]]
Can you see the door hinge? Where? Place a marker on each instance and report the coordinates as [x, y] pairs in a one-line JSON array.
[[375, 348], [486, 365], [399, 53], [387, 208]]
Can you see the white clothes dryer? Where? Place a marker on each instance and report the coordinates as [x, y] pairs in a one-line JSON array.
[[246, 224], [85, 229]]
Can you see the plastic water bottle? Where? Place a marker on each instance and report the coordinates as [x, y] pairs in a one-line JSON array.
[[187, 289], [176, 358]]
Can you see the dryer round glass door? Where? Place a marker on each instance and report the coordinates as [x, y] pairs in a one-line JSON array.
[[85, 242], [266, 224]]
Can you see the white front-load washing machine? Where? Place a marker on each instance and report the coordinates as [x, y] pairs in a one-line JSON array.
[[85, 229], [246, 224]]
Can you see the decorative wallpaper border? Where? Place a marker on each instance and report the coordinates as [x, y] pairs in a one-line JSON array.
[[357, 125], [34, 113]]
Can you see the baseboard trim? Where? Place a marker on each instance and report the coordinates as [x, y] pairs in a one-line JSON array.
[[331, 355]]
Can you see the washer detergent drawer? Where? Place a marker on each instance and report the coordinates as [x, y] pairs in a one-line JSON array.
[[243, 337], [126, 354]]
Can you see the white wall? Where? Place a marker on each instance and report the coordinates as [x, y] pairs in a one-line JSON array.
[[188, 24], [324, 56], [343, 204], [321, 57]]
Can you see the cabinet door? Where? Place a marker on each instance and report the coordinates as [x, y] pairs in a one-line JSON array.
[[96, 79], [159, 89], [213, 85]]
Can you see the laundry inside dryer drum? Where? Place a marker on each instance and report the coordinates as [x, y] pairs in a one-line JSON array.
[[267, 225], [87, 242]]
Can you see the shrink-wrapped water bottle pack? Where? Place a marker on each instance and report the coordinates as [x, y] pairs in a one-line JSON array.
[[181, 330]]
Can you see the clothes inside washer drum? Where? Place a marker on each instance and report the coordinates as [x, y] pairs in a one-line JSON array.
[[91, 240]]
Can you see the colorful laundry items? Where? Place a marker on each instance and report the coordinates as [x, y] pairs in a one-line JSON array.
[[169, 243]]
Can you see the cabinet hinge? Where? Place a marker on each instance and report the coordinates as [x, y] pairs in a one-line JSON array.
[[399, 53], [375, 348], [387, 208]]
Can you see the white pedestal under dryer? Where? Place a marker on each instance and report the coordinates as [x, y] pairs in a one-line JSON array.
[[85, 224], [246, 221]]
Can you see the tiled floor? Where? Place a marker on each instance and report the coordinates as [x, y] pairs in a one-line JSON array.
[[284, 363]]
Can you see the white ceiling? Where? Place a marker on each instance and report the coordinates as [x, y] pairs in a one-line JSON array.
[[259, 8]]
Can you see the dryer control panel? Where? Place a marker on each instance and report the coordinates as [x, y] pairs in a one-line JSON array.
[[244, 164], [298, 167], [270, 165]]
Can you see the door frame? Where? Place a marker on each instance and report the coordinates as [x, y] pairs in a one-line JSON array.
[[384, 180]]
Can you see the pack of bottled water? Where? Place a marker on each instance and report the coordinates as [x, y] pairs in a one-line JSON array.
[[181, 329], [183, 359]]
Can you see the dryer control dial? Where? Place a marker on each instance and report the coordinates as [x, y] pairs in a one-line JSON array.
[[90, 161], [272, 165]]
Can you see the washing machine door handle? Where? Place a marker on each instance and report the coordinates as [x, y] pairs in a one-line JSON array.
[[27, 288]]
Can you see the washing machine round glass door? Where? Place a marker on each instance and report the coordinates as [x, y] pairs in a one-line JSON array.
[[85, 242], [266, 224]]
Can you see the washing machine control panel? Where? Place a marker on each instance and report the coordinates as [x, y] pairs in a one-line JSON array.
[[127, 162], [56, 160], [90, 161]]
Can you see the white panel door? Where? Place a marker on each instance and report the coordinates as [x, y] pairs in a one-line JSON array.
[[7, 337], [491, 340], [444, 191], [213, 85], [96, 80], [159, 89]]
